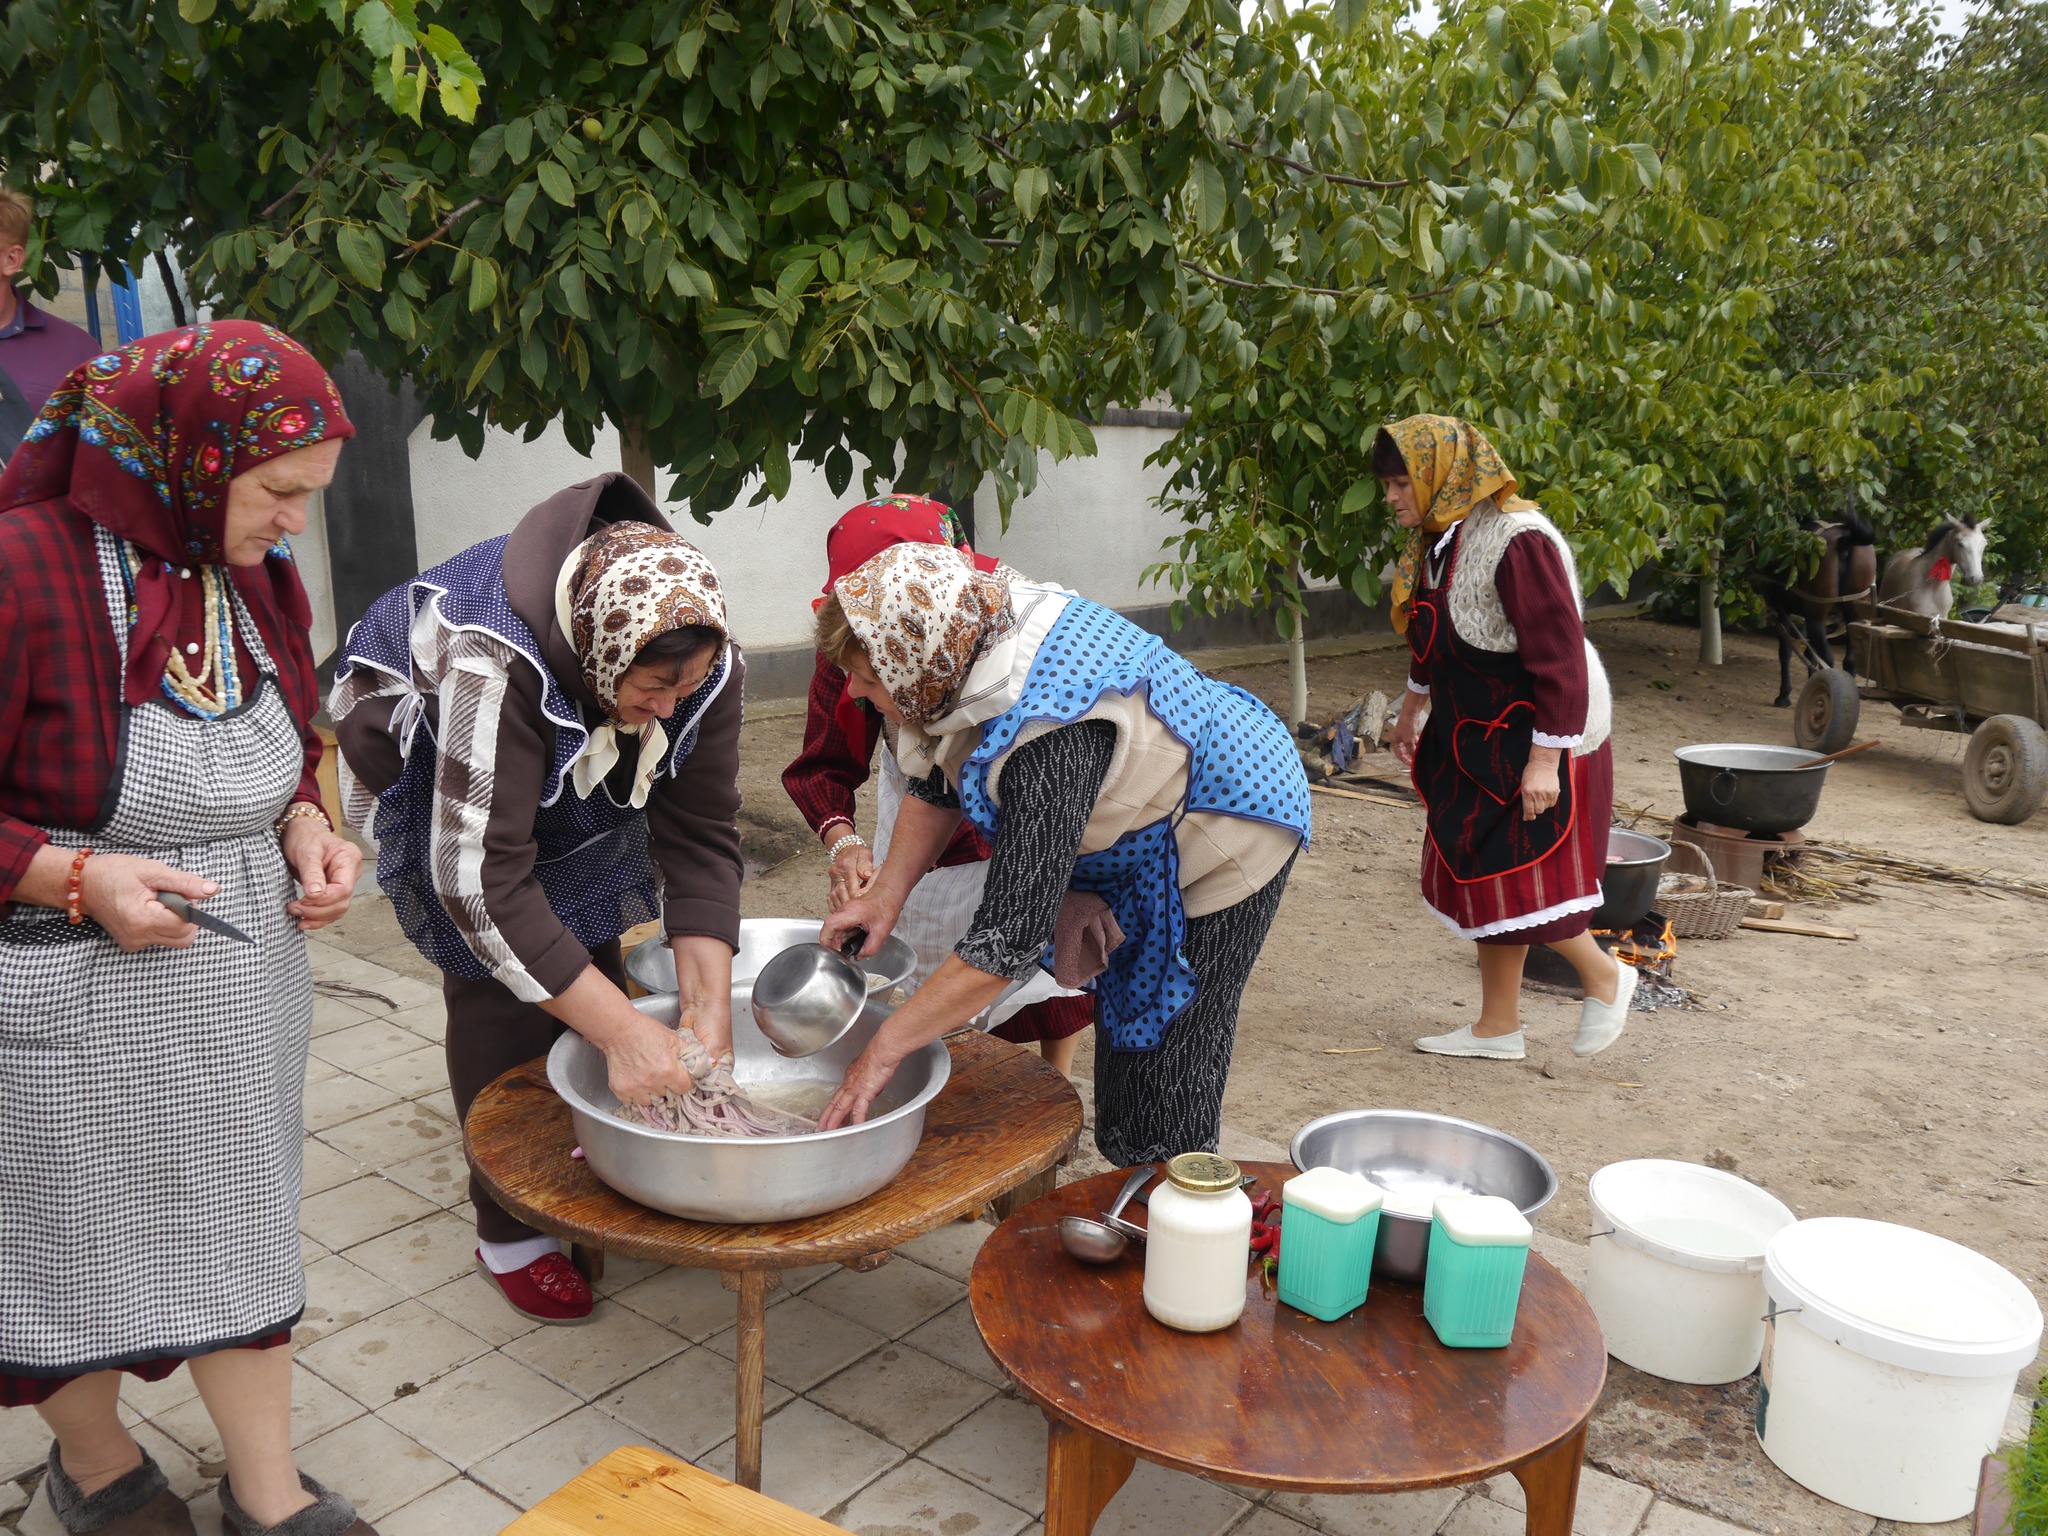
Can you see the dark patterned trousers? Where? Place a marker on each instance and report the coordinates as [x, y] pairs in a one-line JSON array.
[[1152, 1105]]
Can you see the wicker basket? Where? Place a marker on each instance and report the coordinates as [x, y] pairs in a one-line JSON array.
[[1701, 906]]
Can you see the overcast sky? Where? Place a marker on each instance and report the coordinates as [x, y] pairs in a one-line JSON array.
[[1952, 13]]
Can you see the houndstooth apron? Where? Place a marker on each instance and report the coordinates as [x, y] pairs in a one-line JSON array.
[[150, 1114]]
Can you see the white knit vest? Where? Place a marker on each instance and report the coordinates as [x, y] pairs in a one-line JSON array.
[[1481, 621]]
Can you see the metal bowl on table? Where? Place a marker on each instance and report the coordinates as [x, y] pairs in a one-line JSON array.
[[1751, 788], [751, 1178], [653, 964], [1413, 1157], [1635, 861]]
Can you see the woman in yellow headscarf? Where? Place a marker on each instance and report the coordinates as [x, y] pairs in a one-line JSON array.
[[1504, 727]]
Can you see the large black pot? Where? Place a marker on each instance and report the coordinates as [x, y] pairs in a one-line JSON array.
[[1751, 788], [1635, 862]]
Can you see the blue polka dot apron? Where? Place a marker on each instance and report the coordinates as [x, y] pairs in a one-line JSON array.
[[1241, 762], [594, 862]]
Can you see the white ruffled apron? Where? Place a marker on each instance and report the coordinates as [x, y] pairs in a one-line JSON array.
[[942, 904], [150, 1104]]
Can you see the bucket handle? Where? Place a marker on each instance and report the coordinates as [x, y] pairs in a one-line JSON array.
[[1777, 1312], [1714, 787], [1608, 1233]]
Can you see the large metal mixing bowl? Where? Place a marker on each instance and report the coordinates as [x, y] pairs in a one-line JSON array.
[[653, 964], [1635, 862], [751, 1178], [1413, 1157]]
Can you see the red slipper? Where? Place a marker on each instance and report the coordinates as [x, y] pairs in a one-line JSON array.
[[549, 1290]]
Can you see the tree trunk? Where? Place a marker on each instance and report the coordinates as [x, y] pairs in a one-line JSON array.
[[1297, 661], [636, 459], [1710, 619]]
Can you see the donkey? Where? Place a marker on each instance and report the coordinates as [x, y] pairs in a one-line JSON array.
[[1919, 582], [1847, 572]]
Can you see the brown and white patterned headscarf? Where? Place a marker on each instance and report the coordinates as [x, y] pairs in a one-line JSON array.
[[628, 585], [924, 614]]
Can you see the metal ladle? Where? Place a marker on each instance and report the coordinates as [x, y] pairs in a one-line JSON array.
[[808, 996], [1104, 1241]]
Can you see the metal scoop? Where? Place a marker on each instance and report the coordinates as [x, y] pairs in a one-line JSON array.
[[808, 996], [1102, 1242]]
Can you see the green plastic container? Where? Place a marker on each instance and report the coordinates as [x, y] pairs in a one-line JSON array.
[[1331, 1221], [1478, 1248]]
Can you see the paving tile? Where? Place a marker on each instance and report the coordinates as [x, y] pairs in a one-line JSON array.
[[473, 1302], [39, 1519], [903, 1395], [692, 1302], [333, 1013], [1266, 1522], [440, 1175], [1388, 1514], [999, 1448], [454, 1509], [805, 1343], [392, 1133], [2019, 1420], [411, 1074], [1671, 1520], [372, 1359], [891, 1300], [373, 1040], [810, 1459], [796, 1281], [1483, 1517], [359, 1210], [442, 1103], [13, 1497], [949, 1249], [378, 1468], [310, 1251], [1607, 1505], [621, 1274], [325, 1167], [338, 1294], [917, 1499], [318, 1071], [428, 1020], [478, 1409], [528, 1470], [148, 1398], [416, 1259], [316, 1409], [613, 1347], [686, 1403], [953, 1338], [1158, 1501], [342, 1098]]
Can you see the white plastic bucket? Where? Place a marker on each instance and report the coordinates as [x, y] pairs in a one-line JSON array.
[[1888, 1365], [1674, 1272]]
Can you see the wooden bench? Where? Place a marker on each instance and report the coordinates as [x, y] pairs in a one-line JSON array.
[[638, 1492]]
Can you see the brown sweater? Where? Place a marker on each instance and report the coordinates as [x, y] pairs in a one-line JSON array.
[[692, 817]]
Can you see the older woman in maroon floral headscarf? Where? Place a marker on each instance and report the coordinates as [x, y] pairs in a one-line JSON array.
[[156, 693]]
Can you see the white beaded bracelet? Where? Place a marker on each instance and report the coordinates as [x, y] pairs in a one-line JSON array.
[[306, 809], [853, 839]]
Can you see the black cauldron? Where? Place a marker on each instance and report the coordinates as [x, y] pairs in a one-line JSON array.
[[1751, 788]]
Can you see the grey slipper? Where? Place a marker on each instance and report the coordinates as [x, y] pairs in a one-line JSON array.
[[330, 1514], [138, 1503]]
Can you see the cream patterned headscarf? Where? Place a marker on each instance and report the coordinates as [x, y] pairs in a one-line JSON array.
[[619, 589], [924, 615]]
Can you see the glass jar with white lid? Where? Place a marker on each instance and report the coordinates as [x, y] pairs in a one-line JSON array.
[[1198, 1244]]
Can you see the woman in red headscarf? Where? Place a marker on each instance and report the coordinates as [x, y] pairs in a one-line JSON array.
[[156, 694], [840, 737]]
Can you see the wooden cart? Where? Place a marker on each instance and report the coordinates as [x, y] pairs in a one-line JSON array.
[[1989, 681]]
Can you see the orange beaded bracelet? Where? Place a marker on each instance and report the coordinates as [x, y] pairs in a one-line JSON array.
[[71, 892]]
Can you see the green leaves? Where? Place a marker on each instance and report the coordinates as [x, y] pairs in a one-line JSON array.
[[362, 251], [554, 181], [1029, 187]]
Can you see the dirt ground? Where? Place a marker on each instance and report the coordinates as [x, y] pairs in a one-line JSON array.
[[1899, 1077]]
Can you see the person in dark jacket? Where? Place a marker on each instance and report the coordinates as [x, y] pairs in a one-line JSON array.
[[543, 735]]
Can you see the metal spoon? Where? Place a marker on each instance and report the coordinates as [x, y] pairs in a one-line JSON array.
[[1101, 1242]]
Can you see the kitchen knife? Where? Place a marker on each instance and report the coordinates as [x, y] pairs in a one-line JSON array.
[[180, 907]]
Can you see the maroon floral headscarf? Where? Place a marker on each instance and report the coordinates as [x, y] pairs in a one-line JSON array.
[[144, 441]]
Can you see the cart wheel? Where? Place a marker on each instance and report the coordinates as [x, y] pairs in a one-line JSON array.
[[2005, 769], [1824, 720]]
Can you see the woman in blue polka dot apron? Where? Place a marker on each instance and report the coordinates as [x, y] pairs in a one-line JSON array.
[[1142, 820]]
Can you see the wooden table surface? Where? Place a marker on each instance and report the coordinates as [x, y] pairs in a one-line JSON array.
[[638, 1492], [1004, 1118], [1370, 1403]]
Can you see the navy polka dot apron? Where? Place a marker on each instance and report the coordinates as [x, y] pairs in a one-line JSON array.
[[1241, 763]]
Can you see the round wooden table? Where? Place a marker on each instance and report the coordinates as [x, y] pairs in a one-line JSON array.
[[996, 1133], [1371, 1403]]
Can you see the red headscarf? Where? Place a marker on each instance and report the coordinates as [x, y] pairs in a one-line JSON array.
[[867, 530], [144, 442]]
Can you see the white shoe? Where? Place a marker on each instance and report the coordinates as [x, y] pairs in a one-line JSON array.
[[1601, 1024], [1462, 1042]]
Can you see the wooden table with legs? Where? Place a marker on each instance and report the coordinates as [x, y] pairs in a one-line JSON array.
[[996, 1133], [1371, 1403]]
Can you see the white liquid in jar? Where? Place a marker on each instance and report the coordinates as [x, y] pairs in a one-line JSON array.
[[1196, 1251]]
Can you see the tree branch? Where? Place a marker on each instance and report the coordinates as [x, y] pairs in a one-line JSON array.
[[1238, 282], [445, 225], [311, 175], [1309, 170]]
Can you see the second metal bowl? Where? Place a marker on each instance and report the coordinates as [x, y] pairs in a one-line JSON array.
[[653, 964], [1413, 1157]]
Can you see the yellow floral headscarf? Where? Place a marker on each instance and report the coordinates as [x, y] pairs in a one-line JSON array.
[[1454, 469]]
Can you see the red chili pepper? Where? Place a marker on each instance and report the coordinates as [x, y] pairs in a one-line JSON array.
[[1263, 1240], [1261, 1204]]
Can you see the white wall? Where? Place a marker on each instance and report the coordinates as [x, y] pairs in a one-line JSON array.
[[1090, 525], [309, 550]]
